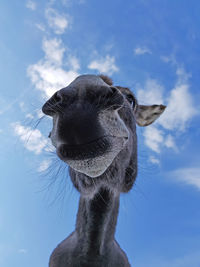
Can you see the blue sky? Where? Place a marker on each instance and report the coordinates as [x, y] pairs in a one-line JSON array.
[[153, 47]]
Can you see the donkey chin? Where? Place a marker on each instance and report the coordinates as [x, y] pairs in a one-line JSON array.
[[94, 163]]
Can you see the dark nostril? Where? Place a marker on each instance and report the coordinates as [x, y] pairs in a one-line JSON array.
[[111, 92], [58, 98], [53, 105], [114, 98], [114, 90]]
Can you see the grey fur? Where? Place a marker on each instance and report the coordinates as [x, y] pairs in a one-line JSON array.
[[92, 113]]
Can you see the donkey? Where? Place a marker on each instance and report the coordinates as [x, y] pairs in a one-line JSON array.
[[94, 132]]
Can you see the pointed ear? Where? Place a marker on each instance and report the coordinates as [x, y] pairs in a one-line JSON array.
[[146, 115]]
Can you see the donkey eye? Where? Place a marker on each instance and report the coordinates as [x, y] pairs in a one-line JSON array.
[[131, 100]]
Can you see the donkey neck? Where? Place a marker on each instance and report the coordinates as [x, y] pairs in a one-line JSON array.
[[96, 222]]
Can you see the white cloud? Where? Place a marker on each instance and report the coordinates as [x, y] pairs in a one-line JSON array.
[[48, 74], [141, 51], [180, 109], [29, 116], [58, 22], [73, 61], [54, 50], [39, 113], [180, 106], [31, 5], [151, 94], [153, 138], [44, 165], [154, 160], [40, 26], [104, 65], [190, 176], [33, 140], [165, 59], [169, 59], [170, 143], [49, 78]]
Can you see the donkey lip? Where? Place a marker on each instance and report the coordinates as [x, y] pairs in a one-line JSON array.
[[95, 165], [83, 151], [94, 149]]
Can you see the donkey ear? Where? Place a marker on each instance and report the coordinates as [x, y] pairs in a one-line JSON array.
[[146, 115]]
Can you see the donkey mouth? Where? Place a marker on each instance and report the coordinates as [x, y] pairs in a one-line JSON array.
[[86, 151], [94, 158]]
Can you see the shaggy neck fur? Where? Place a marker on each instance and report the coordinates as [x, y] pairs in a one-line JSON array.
[[96, 222]]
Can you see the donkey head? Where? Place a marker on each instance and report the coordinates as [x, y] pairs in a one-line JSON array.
[[94, 132]]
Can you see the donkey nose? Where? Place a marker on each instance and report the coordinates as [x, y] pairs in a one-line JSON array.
[[79, 125]]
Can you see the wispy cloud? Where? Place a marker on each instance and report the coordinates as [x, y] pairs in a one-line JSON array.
[[180, 106], [33, 140], [104, 65], [74, 63], [44, 165], [48, 75], [154, 160], [58, 22], [5, 106], [40, 26], [170, 142], [153, 138], [29, 116], [190, 176], [169, 59], [180, 110], [151, 92], [22, 251], [31, 5], [54, 50], [22, 106], [141, 51]]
